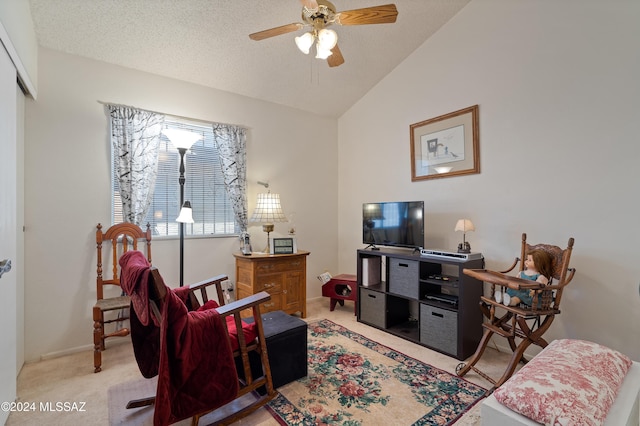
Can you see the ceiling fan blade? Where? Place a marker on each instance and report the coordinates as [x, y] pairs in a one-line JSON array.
[[336, 58], [284, 29], [310, 4], [385, 14]]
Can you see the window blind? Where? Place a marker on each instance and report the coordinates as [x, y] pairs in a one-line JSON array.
[[204, 187]]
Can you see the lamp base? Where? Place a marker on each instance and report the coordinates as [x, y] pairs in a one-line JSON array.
[[464, 247], [268, 228]]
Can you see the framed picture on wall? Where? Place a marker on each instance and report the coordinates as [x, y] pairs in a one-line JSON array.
[[445, 146]]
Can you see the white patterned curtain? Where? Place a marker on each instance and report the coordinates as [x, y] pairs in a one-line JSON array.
[[135, 135], [231, 142]]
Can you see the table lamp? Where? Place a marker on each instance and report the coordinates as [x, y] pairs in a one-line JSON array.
[[268, 210], [464, 225]]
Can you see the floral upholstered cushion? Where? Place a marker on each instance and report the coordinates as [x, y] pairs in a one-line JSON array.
[[571, 382]]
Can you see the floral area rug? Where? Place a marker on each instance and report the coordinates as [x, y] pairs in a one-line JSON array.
[[354, 381]]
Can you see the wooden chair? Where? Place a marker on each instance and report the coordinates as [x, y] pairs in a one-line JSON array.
[[112, 305], [526, 323], [253, 392]]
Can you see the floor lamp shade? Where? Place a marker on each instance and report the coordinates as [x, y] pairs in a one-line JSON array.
[[182, 139], [186, 213]]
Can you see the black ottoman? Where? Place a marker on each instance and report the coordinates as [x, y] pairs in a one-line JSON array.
[[286, 338]]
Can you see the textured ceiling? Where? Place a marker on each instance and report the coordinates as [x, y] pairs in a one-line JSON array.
[[207, 42]]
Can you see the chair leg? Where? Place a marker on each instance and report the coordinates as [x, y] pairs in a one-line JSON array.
[[463, 368], [515, 359], [98, 339], [529, 337], [536, 336], [532, 337]]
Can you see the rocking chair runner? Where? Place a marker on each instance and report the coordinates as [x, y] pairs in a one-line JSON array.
[[194, 360], [528, 323]]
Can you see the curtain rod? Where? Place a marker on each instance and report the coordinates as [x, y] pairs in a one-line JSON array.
[[171, 115]]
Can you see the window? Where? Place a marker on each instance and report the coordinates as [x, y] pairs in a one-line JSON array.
[[204, 187]]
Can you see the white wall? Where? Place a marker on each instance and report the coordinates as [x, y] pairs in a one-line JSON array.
[[559, 100], [16, 24], [68, 187]]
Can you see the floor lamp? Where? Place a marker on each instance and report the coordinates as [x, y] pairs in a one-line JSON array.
[[182, 140]]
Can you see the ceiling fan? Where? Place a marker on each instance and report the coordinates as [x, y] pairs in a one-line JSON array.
[[319, 14]]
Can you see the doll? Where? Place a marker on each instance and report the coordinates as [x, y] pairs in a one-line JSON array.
[[537, 268]]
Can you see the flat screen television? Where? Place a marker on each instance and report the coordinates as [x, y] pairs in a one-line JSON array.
[[398, 224]]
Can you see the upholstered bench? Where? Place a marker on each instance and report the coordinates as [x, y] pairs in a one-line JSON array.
[[286, 338], [570, 382]]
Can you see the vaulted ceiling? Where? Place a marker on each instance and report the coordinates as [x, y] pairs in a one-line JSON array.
[[207, 42]]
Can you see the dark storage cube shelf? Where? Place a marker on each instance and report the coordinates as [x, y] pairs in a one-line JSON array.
[[421, 304]]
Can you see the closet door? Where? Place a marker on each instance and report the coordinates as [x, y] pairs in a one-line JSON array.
[[8, 229]]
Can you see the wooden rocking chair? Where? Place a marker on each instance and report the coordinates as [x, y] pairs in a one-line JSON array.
[[253, 392], [526, 323]]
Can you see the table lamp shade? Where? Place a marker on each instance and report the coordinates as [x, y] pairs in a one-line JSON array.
[[465, 225], [268, 209]]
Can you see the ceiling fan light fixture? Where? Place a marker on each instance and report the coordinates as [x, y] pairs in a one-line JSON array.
[[322, 53], [304, 42], [327, 39], [317, 15]]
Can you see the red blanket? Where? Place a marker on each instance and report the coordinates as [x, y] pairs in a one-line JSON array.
[[195, 367]]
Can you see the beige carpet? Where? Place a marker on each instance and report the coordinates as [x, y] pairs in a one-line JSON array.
[[120, 394], [71, 378]]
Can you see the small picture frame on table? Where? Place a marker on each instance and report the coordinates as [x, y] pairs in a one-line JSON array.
[[283, 246]]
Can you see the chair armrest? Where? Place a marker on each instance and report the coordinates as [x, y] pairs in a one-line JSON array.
[[513, 265], [234, 310], [209, 281], [202, 286], [247, 342], [244, 303], [572, 272]]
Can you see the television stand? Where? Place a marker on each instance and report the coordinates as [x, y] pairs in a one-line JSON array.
[[426, 300]]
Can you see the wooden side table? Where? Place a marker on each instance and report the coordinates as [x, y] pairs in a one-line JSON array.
[[340, 288], [283, 276]]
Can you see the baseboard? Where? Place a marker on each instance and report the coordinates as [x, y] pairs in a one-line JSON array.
[[112, 341]]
